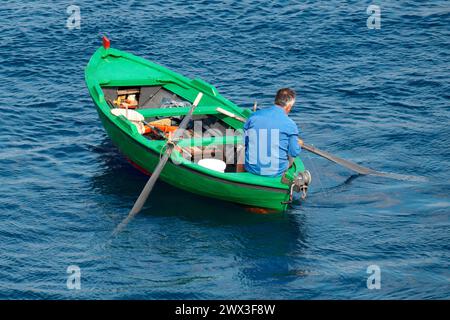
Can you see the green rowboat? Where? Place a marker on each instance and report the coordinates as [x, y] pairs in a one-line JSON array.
[[116, 79]]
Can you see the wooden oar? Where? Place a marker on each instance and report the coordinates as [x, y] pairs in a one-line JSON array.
[[345, 163], [358, 168], [155, 175]]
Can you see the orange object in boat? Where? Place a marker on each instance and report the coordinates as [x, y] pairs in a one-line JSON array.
[[165, 129]]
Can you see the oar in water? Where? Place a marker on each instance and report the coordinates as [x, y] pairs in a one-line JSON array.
[[155, 175], [345, 163], [358, 168]]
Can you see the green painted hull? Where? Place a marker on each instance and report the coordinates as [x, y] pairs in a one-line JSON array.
[[106, 68]]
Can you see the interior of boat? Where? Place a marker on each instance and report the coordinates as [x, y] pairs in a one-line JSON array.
[[212, 139]]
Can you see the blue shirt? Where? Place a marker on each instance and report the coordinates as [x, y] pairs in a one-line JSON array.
[[270, 138]]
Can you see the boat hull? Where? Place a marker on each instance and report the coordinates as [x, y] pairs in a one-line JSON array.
[[110, 69]]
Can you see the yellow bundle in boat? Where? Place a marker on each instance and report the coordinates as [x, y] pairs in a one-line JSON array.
[[162, 122]]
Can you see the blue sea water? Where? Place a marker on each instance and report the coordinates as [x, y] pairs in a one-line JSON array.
[[379, 97]]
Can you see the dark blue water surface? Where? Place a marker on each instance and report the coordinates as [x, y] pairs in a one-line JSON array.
[[377, 97]]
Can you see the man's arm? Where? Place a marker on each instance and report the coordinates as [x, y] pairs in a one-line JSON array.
[[294, 147]]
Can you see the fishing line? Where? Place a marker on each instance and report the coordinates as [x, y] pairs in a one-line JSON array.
[[318, 176]]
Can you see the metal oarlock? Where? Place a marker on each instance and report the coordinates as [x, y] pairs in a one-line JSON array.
[[299, 184]]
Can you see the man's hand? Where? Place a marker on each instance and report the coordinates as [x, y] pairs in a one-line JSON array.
[[300, 142]]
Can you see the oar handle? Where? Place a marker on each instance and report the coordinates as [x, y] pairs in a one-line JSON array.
[[230, 114]]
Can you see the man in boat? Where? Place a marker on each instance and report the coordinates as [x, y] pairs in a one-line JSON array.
[[271, 137]]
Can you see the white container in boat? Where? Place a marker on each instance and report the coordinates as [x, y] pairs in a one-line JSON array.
[[131, 115], [213, 164]]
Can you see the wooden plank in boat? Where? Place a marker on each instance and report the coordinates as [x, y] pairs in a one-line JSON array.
[[127, 91]]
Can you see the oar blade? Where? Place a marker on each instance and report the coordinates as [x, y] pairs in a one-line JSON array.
[[345, 163], [137, 207], [360, 169]]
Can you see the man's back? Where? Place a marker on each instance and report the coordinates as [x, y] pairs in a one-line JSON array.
[[271, 138]]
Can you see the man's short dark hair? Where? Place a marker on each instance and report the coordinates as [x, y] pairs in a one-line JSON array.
[[284, 97]]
